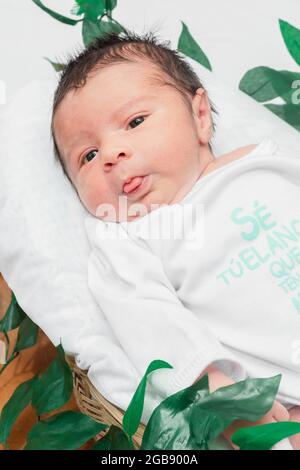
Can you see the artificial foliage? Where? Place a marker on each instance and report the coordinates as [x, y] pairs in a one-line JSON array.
[[261, 83], [264, 84], [192, 419]]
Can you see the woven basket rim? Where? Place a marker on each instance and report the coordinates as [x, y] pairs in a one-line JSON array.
[[92, 403]]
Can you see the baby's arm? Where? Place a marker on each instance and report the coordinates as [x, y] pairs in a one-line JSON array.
[[217, 379], [147, 316]]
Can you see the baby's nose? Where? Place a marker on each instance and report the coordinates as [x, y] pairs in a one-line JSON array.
[[113, 158]]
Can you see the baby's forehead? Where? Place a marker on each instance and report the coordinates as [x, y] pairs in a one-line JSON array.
[[141, 73], [149, 83]]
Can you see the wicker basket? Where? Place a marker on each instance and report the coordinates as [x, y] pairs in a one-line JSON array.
[[92, 403]]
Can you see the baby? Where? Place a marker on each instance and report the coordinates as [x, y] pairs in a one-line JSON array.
[[131, 127]]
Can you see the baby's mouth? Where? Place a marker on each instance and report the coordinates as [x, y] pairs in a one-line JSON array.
[[132, 184], [137, 187]]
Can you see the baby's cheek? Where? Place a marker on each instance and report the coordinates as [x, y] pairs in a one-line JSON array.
[[97, 196], [87, 202], [105, 204], [88, 197]]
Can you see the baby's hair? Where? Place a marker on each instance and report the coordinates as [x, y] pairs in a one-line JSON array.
[[115, 48]]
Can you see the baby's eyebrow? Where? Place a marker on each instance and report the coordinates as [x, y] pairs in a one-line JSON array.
[[130, 103]]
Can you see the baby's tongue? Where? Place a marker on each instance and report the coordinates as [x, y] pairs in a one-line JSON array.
[[134, 183]]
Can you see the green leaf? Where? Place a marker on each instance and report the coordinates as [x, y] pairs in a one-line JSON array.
[[57, 67], [248, 399], [133, 414], [57, 16], [97, 29], [111, 26], [111, 4], [90, 8], [27, 335], [291, 37], [193, 417], [190, 48], [68, 430], [265, 83], [290, 113], [19, 400], [114, 439], [169, 425], [265, 436], [90, 31], [54, 387], [13, 316]]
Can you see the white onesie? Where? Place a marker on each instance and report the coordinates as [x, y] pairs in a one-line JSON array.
[[227, 291]]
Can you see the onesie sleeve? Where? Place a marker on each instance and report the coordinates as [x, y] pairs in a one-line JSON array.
[[129, 283]]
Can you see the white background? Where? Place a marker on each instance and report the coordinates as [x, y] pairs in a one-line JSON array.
[[236, 35]]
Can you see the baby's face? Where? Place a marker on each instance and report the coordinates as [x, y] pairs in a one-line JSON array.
[[105, 141]]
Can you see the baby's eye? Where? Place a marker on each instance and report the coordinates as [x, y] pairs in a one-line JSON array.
[[87, 156], [135, 119]]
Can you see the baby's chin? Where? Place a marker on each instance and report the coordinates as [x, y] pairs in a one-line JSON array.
[[125, 212]]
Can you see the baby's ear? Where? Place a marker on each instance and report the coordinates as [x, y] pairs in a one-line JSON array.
[[200, 101], [202, 115]]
